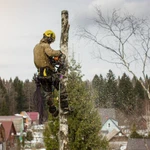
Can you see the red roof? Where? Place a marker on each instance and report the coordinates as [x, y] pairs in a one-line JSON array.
[[8, 126], [33, 115]]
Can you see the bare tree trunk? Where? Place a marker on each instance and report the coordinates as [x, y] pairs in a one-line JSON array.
[[63, 122]]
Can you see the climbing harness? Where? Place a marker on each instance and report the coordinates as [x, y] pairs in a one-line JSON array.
[[48, 79]]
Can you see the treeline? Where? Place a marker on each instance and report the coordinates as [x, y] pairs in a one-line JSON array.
[[16, 96], [121, 93]]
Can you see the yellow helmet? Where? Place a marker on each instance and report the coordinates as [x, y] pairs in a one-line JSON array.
[[50, 34]]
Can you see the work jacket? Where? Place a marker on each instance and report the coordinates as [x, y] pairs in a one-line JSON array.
[[42, 52]]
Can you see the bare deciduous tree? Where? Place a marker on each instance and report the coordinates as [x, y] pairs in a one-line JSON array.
[[63, 121], [122, 39]]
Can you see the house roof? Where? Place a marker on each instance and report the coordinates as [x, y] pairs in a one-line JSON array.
[[9, 128], [114, 122], [138, 144], [24, 113], [113, 133], [17, 120], [33, 115], [2, 132], [106, 113]]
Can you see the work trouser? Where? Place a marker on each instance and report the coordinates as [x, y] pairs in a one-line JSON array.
[[48, 83]]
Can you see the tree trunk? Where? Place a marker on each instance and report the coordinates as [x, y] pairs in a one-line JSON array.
[[63, 122]]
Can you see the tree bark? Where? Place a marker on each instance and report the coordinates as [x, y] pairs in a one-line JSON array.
[[63, 122]]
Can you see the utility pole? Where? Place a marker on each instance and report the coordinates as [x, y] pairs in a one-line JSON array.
[[63, 122]]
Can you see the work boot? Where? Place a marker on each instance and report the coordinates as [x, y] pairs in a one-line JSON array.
[[66, 111], [53, 110], [49, 103], [55, 114], [64, 106]]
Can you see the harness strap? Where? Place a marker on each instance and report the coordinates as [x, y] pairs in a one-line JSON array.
[[45, 71]]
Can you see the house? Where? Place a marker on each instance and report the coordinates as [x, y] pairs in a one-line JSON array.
[[10, 134], [116, 139], [138, 144], [18, 124], [28, 119], [109, 125], [106, 113], [2, 137], [34, 117], [17, 120]]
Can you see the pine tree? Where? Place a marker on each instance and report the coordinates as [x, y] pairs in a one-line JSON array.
[[102, 92], [96, 89], [28, 89], [51, 131], [111, 90], [20, 98], [4, 102], [51, 134], [11, 96], [139, 97], [99, 84], [126, 97], [134, 133], [84, 121]]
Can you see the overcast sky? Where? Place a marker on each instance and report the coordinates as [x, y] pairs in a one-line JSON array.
[[24, 21]]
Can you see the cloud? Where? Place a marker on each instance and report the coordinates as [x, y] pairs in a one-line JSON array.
[[23, 23], [139, 8]]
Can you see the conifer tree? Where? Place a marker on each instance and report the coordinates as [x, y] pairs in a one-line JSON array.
[[126, 97], [84, 121], [4, 102], [11, 96], [139, 97], [51, 134], [134, 133], [96, 89], [99, 84], [20, 98], [28, 89], [111, 90], [51, 131]]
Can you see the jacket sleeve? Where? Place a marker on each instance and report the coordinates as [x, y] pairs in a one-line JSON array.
[[50, 52]]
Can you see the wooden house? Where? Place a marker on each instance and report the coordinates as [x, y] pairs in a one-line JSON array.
[[10, 135], [28, 120], [34, 117], [109, 125], [18, 124], [2, 138], [116, 139]]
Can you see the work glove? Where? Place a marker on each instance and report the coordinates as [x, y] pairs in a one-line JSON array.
[[62, 58]]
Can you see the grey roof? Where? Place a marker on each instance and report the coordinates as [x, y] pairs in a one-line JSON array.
[[138, 144], [106, 113], [111, 134]]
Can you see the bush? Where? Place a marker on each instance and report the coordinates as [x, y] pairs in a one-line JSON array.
[[29, 135], [39, 145]]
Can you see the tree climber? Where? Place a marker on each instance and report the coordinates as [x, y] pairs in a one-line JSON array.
[[50, 66]]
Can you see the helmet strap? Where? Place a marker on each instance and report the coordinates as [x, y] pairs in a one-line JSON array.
[[49, 40]]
